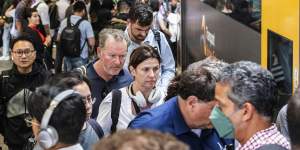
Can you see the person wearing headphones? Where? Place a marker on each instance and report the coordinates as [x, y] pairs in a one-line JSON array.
[[58, 114], [140, 95]]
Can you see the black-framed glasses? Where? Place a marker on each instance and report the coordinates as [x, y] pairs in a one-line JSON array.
[[89, 99], [20, 52]]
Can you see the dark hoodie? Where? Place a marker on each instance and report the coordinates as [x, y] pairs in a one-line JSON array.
[[14, 93]]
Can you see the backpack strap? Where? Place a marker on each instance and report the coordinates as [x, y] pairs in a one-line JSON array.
[[37, 5], [96, 126], [4, 84], [115, 109], [157, 38]]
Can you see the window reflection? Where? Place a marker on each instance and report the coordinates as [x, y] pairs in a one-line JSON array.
[[247, 12]]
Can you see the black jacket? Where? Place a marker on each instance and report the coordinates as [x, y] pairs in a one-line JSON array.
[[14, 92]]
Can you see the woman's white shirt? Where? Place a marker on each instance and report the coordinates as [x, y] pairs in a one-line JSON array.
[[125, 115]]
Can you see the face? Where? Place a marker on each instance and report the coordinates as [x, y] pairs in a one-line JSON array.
[[198, 112], [85, 91], [146, 73], [23, 54], [138, 33], [112, 56], [229, 108], [35, 18]]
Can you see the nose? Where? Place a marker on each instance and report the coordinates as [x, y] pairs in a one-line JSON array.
[[23, 54], [152, 73], [118, 60], [143, 33]]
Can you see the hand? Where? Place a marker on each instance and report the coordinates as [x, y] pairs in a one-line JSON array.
[[48, 40], [2, 22]]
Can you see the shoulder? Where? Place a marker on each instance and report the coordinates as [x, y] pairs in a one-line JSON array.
[[272, 147], [43, 6], [124, 78], [156, 118]]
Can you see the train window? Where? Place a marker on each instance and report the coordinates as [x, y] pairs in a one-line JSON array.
[[247, 12], [280, 58]]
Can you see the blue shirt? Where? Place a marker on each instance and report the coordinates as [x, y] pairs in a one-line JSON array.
[[101, 88], [168, 118]]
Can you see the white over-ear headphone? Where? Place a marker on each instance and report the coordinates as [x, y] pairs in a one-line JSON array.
[[48, 136], [155, 96]]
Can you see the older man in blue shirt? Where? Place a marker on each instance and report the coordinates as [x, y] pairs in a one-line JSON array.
[[107, 73]]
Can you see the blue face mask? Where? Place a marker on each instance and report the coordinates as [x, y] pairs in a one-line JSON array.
[[221, 123]]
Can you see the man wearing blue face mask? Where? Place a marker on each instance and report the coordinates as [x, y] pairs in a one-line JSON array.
[[246, 96]]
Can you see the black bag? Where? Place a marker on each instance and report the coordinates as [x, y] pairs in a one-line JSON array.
[[115, 109], [70, 39], [53, 15]]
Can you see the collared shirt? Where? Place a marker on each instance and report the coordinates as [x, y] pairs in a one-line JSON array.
[[167, 66], [168, 118], [73, 147], [267, 136], [101, 88]]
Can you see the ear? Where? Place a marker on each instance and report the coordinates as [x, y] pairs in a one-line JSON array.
[[248, 111], [132, 71], [98, 49], [191, 102]]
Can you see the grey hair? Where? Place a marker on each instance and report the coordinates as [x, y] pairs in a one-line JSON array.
[[251, 83], [212, 64], [116, 34]]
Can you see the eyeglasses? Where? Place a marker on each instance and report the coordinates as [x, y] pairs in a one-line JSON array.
[[20, 52], [89, 99], [29, 122]]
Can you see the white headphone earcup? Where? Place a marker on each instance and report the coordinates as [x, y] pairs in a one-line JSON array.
[[140, 99], [154, 96], [47, 137]]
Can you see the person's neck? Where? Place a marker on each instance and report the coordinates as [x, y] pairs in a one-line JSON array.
[[32, 25], [24, 70], [78, 14], [256, 124], [98, 66], [183, 111]]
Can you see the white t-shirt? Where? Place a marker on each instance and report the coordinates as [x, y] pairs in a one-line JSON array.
[[125, 115], [62, 6]]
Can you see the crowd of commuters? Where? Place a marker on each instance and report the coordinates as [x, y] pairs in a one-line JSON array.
[[118, 89]]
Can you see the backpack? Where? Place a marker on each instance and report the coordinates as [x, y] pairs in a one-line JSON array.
[[70, 39], [53, 15]]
